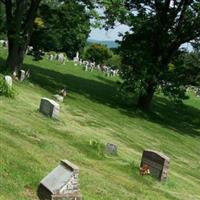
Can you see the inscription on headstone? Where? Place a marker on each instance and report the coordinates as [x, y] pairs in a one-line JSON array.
[[158, 163], [111, 149], [49, 107], [61, 183]]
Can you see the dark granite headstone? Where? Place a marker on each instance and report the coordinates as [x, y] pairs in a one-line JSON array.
[[158, 163]]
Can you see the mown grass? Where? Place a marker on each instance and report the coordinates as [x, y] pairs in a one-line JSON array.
[[31, 145]]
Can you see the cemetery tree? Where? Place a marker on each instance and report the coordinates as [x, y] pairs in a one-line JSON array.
[[158, 29], [97, 53], [20, 16], [65, 28]]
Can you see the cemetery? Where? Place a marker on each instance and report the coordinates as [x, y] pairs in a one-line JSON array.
[[81, 120]]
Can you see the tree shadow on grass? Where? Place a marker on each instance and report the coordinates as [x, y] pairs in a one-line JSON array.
[[182, 118]]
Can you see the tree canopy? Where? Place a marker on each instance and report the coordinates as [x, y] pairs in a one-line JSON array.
[[158, 28]]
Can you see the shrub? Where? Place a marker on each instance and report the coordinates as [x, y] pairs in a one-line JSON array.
[[98, 147], [5, 89]]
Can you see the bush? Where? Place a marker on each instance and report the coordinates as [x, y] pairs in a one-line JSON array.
[[5, 89]]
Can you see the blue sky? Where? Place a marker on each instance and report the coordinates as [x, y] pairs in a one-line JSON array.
[[112, 34]]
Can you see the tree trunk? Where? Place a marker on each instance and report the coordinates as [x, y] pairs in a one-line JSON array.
[[144, 100], [15, 55]]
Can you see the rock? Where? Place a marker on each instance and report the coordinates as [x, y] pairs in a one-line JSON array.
[[49, 107], [8, 80], [58, 97]]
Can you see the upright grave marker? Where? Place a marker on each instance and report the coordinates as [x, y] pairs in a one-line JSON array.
[[8, 80], [61, 183], [157, 162], [49, 107], [111, 149]]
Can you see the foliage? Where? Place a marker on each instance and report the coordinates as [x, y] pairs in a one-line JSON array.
[[98, 147], [114, 61], [158, 29], [97, 53], [2, 22], [63, 28], [5, 89]]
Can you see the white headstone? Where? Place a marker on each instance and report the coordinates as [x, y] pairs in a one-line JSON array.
[[58, 97], [8, 80], [22, 75], [49, 107]]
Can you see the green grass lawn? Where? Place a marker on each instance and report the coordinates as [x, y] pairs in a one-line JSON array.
[[31, 145]]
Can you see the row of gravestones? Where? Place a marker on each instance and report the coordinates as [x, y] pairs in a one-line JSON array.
[[62, 182], [21, 76]]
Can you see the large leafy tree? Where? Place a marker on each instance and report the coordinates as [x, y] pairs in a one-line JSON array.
[[158, 29], [62, 28], [20, 16], [97, 53]]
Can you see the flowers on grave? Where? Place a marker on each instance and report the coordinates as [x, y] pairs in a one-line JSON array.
[[144, 170]]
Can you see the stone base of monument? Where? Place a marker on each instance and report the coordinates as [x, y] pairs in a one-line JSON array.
[[157, 163], [61, 183], [49, 107]]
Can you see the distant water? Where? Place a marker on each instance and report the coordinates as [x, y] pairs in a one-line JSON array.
[[108, 43]]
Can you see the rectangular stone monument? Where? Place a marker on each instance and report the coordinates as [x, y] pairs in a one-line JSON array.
[[22, 75], [49, 107], [61, 183], [158, 163], [8, 80], [111, 149]]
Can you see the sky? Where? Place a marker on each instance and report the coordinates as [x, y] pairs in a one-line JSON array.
[[112, 34]]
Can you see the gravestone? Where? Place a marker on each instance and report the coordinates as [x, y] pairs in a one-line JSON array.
[[61, 183], [198, 93], [49, 107], [157, 162], [58, 97], [111, 149], [22, 75], [8, 80]]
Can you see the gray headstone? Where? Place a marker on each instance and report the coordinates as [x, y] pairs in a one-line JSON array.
[[198, 93], [157, 162], [22, 75], [58, 97], [8, 80], [111, 149], [61, 183], [49, 107]]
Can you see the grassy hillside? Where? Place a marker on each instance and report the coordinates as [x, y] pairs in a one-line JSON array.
[[31, 145]]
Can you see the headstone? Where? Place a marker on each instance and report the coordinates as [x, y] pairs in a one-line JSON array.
[[198, 93], [58, 97], [8, 80], [49, 107], [61, 183], [111, 149], [157, 162], [22, 75]]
